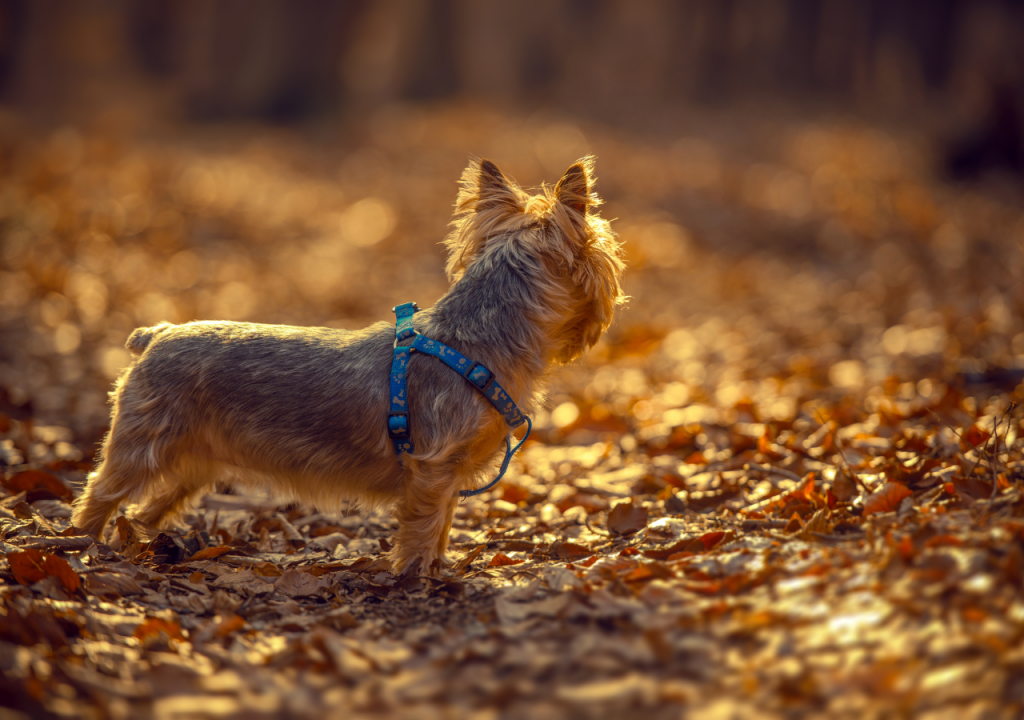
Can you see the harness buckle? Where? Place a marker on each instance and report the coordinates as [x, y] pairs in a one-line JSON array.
[[398, 425], [479, 376]]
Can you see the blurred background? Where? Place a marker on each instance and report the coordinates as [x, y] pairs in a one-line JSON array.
[[819, 198]]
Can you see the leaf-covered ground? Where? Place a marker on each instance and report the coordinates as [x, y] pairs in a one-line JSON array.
[[787, 483]]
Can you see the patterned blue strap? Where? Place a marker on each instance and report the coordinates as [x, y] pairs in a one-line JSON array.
[[403, 321], [478, 376], [398, 413]]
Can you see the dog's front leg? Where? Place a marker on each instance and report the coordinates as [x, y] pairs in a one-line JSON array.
[[442, 540], [424, 519]]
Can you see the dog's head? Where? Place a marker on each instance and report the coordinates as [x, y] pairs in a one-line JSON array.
[[556, 236]]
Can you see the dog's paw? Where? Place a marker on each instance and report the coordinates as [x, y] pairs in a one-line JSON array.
[[412, 563], [408, 568], [418, 564]]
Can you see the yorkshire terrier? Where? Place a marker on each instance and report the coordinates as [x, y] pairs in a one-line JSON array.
[[304, 411]]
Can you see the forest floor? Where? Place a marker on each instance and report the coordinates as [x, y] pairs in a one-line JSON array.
[[788, 483]]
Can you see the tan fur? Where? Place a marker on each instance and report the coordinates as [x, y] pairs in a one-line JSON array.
[[535, 280]]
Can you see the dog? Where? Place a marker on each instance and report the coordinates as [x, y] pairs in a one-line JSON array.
[[304, 411]]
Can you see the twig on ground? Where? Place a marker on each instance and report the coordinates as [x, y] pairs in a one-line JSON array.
[[748, 525], [952, 429], [995, 450], [586, 522], [846, 464], [773, 471], [983, 453]]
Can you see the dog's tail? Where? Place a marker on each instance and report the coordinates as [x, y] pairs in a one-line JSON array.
[[140, 338]]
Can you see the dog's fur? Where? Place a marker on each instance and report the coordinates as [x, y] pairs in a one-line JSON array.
[[303, 410]]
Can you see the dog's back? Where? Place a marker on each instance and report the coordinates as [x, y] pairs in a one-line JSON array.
[[140, 338]]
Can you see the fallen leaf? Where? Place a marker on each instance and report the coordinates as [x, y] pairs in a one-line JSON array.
[[31, 566], [799, 500], [714, 539], [501, 560], [467, 559], [610, 568], [30, 480], [766, 446], [518, 546], [664, 553], [818, 523], [295, 583], [696, 458], [154, 627], [590, 503], [649, 571], [844, 487], [794, 524], [211, 552], [108, 584], [886, 499], [67, 544], [633, 687], [905, 547], [269, 569], [975, 437], [627, 518], [243, 580], [229, 625], [27, 566], [512, 612], [514, 494], [571, 552]]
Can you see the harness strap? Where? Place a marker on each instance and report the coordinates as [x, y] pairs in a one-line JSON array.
[[479, 377], [476, 374], [398, 413]]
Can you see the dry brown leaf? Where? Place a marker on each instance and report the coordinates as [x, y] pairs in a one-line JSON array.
[[228, 625], [571, 552], [108, 584], [267, 569], [627, 518], [31, 566], [295, 583], [844, 487], [886, 499], [154, 627], [34, 480], [211, 552], [502, 560]]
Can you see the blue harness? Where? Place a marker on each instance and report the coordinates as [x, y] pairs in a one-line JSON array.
[[478, 376]]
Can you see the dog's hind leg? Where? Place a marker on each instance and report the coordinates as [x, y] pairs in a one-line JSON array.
[[120, 476], [168, 502], [129, 466]]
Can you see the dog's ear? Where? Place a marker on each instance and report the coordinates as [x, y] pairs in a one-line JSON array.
[[493, 189], [487, 200], [573, 190]]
